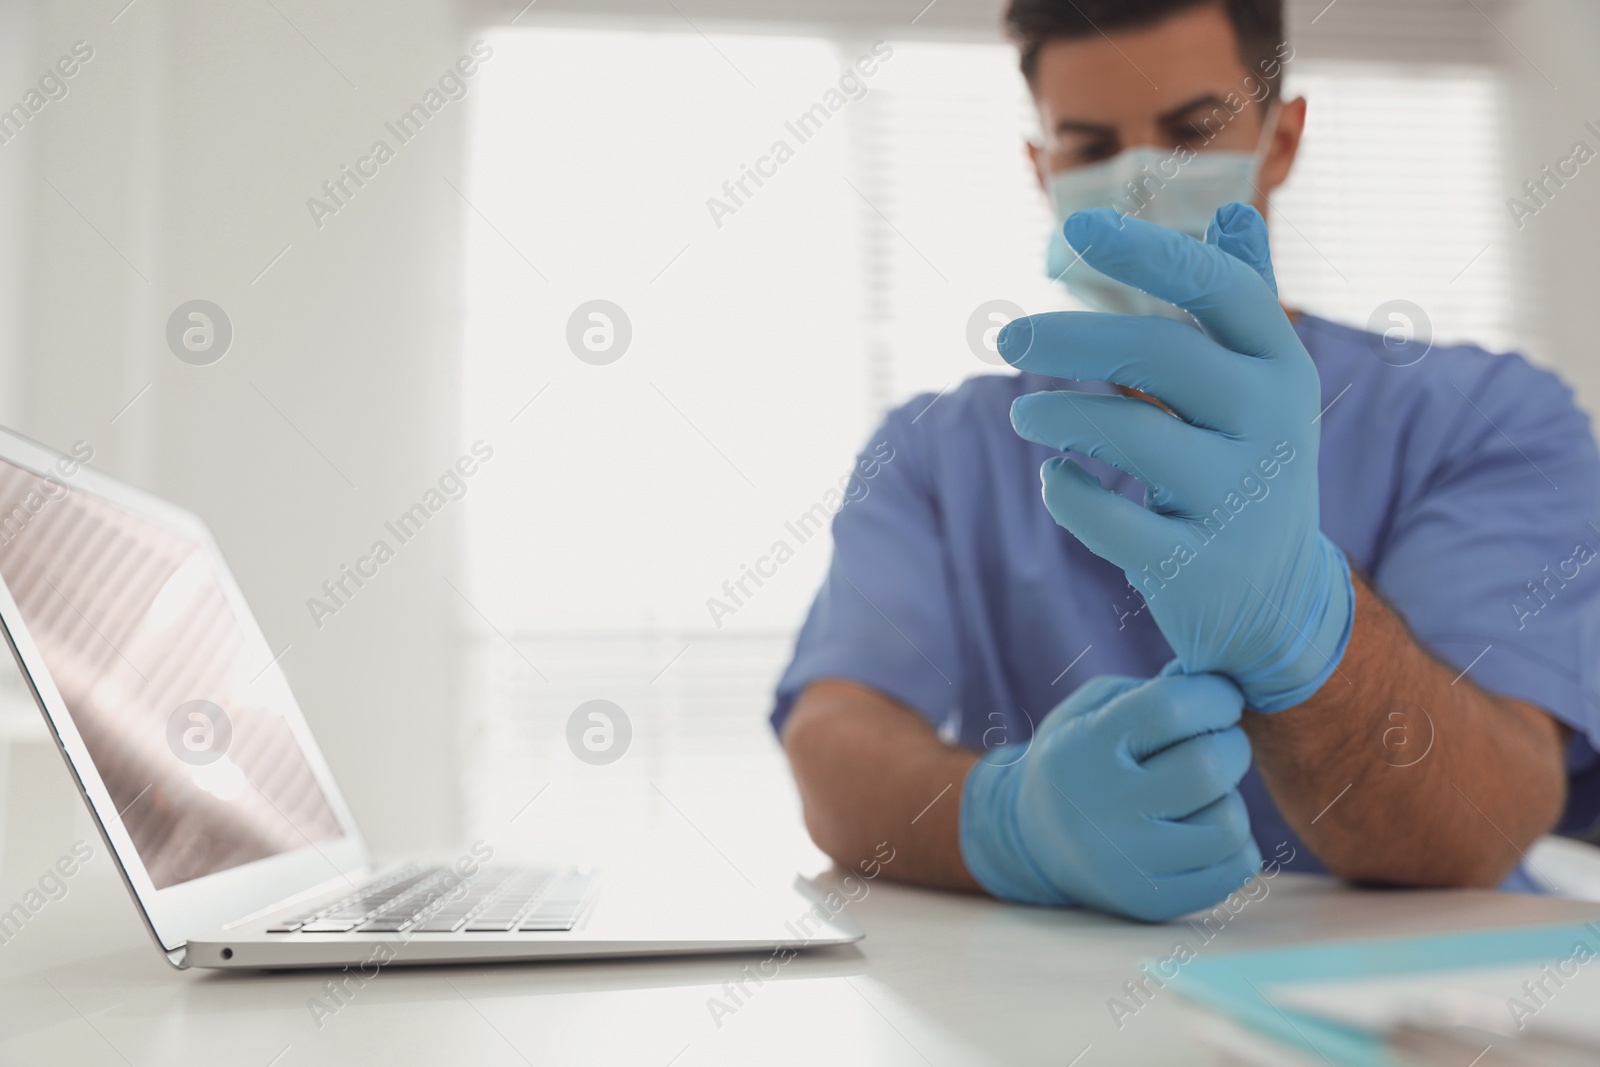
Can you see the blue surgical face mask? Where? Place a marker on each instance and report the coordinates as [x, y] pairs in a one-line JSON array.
[[1154, 184]]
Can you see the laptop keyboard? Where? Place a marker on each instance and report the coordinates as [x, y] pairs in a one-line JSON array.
[[434, 900]]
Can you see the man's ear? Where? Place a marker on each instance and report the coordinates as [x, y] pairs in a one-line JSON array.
[[1036, 157], [1285, 146]]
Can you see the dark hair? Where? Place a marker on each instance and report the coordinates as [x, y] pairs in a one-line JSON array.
[[1257, 24]]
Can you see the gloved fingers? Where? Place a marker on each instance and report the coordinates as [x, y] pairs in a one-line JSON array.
[[1170, 360], [1239, 231], [1110, 525], [1171, 709], [1215, 832], [1228, 298], [1192, 891], [1091, 695], [1088, 698], [1191, 776], [1133, 435]]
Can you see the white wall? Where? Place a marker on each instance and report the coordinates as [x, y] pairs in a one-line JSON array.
[[1549, 52], [191, 142], [16, 33]]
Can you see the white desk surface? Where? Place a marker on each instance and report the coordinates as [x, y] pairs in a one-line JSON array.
[[941, 979]]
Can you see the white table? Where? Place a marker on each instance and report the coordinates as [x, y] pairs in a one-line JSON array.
[[941, 979]]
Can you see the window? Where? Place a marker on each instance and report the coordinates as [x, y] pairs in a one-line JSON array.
[[1397, 194], [769, 334]]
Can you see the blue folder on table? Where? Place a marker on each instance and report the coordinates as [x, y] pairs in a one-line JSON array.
[[1236, 985]]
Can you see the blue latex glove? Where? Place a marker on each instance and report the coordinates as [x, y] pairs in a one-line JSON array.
[[1126, 801], [1227, 550]]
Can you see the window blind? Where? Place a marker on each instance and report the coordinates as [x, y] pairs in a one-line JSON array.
[[768, 340]]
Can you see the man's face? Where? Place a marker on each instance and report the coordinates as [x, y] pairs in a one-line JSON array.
[[1167, 86]]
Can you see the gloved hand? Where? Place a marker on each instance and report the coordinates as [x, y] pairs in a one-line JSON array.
[[1125, 801], [1227, 550]]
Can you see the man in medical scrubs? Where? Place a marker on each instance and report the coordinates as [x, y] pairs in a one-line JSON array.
[[1208, 581]]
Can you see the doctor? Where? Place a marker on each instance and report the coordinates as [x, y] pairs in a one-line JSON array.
[[1293, 588]]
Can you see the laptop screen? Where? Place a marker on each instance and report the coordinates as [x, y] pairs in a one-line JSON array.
[[180, 710]]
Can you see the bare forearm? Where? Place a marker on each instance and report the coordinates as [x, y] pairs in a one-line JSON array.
[[870, 771], [1401, 771]]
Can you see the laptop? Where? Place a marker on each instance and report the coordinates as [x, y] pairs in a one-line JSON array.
[[222, 816]]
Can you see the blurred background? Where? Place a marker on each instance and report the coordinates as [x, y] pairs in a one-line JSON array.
[[381, 329]]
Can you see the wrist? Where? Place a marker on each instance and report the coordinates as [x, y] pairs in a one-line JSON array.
[[1312, 649], [991, 839]]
